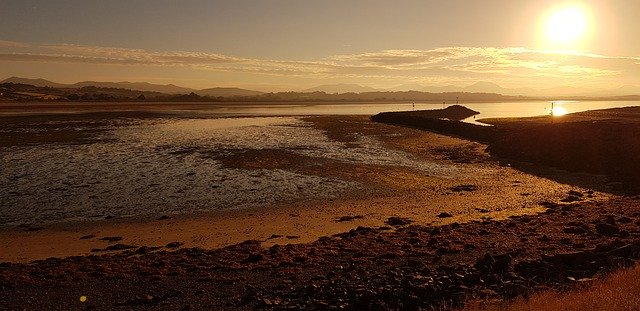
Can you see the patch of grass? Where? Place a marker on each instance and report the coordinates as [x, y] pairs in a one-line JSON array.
[[619, 291]]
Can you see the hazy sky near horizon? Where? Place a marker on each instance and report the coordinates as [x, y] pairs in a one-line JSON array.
[[294, 44]]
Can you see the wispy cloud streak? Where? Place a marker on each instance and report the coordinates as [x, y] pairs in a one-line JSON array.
[[441, 64]]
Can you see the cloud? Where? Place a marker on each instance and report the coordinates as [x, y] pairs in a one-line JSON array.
[[445, 64]]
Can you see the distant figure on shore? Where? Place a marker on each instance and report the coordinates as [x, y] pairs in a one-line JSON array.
[[414, 106]]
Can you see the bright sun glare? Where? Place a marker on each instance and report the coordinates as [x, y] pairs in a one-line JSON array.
[[566, 26]]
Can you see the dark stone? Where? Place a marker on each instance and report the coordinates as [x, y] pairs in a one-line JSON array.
[[574, 230], [174, 245], [494, 264], [444, 215], [624, 220], [253, 258], [142, 250], [571, 198], [398, 221], [461, 188], [575, 193], [112, 238], [575, 259], [610, 220], [118, 247], [607, 229]]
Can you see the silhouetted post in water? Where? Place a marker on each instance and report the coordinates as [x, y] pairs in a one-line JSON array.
[[414, 106], [443, 105], [456, 100]]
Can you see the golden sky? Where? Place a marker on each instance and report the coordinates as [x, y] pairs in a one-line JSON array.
[[292, 45]]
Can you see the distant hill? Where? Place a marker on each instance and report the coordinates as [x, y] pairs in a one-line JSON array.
[[34, 82], [340, 89], [227, 92], [486, 87], [139, 86], [406, 87]]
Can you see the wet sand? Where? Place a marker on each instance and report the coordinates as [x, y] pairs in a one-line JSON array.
[[404, 237], [489, 190]]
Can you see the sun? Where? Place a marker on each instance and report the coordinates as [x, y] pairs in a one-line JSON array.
[[566, 26]]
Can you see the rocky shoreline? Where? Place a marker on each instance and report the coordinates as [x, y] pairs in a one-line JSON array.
[[398, 266]]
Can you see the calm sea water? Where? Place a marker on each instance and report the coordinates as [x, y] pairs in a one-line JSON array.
[[487, 110]]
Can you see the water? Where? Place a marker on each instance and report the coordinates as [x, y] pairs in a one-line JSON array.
[[487, 110], [146, 168]]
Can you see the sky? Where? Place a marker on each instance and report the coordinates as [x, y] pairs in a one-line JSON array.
[[277, 45]]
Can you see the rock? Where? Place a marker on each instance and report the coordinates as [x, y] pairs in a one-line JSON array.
[[164, 217], [624, 220], [575, 259], [575, 193], [461, 188], [118, 247], [494, 264], [86, 237], [112, 238], [610, 220], [607, 229], [143, 250], [348, 218], [574, 230], [444, 215], [571, 198], [398, 221], [174, 245], [253, 258]]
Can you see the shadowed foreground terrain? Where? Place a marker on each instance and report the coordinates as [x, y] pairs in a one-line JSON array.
[[398, 266]]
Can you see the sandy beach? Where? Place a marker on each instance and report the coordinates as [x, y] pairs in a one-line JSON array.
[[408, 202], [496, 191]]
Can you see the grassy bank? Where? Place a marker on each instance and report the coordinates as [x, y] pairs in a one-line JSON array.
[[619, 291]]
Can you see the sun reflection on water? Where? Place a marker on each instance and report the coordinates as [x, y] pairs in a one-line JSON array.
[[557, 111]]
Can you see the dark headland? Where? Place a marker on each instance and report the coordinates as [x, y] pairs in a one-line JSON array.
[[600, 141]]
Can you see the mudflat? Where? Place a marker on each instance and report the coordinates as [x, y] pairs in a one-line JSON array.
[[395, 218]]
